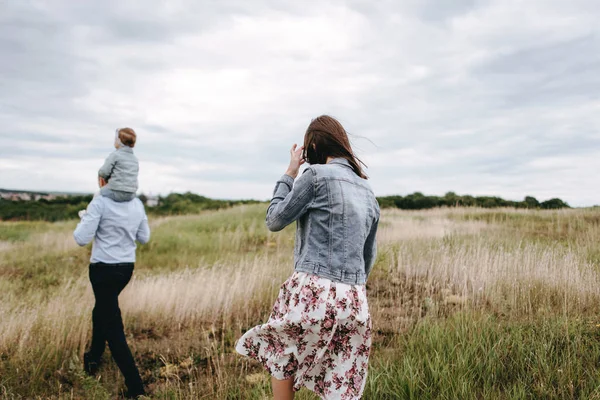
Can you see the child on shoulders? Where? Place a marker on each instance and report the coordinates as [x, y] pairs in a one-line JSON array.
[[121, 168]]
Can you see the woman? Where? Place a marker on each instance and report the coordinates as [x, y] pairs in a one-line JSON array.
[[319, 333]]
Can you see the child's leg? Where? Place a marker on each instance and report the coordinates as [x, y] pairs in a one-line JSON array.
[[117, 195], [106, 192]]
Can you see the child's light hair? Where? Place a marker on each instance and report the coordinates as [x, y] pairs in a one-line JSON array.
[[127, 136]]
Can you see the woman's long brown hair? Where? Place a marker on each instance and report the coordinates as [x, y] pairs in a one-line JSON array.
[[325, 137]]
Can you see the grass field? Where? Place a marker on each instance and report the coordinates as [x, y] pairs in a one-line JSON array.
[[466, 303]]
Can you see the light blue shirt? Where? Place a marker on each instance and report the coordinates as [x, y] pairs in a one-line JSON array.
[[114, 228]]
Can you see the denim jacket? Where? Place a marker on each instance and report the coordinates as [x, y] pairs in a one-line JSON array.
[[337, 216]]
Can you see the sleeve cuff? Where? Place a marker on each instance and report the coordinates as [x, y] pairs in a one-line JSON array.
[[288, 180]]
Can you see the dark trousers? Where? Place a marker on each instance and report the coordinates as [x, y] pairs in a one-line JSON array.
[[108, 280]]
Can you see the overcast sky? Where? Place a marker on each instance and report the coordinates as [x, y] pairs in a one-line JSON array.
[[496, 97]]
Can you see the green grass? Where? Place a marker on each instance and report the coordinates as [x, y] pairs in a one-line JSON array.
[[21, 231], [471, 356], [212, 237], [531, 337]]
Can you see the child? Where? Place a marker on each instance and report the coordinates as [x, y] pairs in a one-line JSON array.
[[121, 168]]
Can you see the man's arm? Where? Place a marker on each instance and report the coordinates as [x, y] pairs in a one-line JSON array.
[[87, 227], [143, 232]]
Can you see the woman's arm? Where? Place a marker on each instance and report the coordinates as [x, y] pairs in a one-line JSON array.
[[291, 201], [370, 249]]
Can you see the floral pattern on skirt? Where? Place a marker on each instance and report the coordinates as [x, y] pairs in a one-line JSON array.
[[319, 333]]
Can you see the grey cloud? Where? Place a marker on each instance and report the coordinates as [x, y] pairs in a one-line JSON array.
[[553, 74], [440, 11], [402, 74]]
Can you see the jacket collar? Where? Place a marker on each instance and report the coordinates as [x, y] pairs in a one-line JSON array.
[[125, 148], [341, 161]]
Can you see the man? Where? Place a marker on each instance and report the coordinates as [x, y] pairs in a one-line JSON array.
[[114, 227]]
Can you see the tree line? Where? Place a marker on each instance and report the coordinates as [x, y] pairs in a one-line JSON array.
[[419, 201], [64, 208]]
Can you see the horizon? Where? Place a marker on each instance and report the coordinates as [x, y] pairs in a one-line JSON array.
[[490, 98], [268, 199]]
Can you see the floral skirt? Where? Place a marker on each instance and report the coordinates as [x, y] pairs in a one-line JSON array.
[[319, 334]]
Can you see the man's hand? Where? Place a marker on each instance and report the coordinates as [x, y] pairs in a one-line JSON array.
[[101, 182]]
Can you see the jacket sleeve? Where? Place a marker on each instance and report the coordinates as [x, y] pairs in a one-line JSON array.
[[290, 201], [370, 250], [87, 227], [106, 170]]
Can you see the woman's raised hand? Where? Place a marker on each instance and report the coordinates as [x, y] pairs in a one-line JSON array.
[[296, 160]]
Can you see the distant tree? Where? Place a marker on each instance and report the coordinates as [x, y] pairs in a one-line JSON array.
[[386, 202], [419, 201], [467, 201], [450, 199], [487, 202], [554, 204], [531, 202]]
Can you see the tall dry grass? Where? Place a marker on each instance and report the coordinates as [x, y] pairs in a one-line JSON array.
[[207, 292], [473, 257], [204, 279]]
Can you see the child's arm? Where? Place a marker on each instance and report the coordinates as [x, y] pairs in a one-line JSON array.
[[108, 166]]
